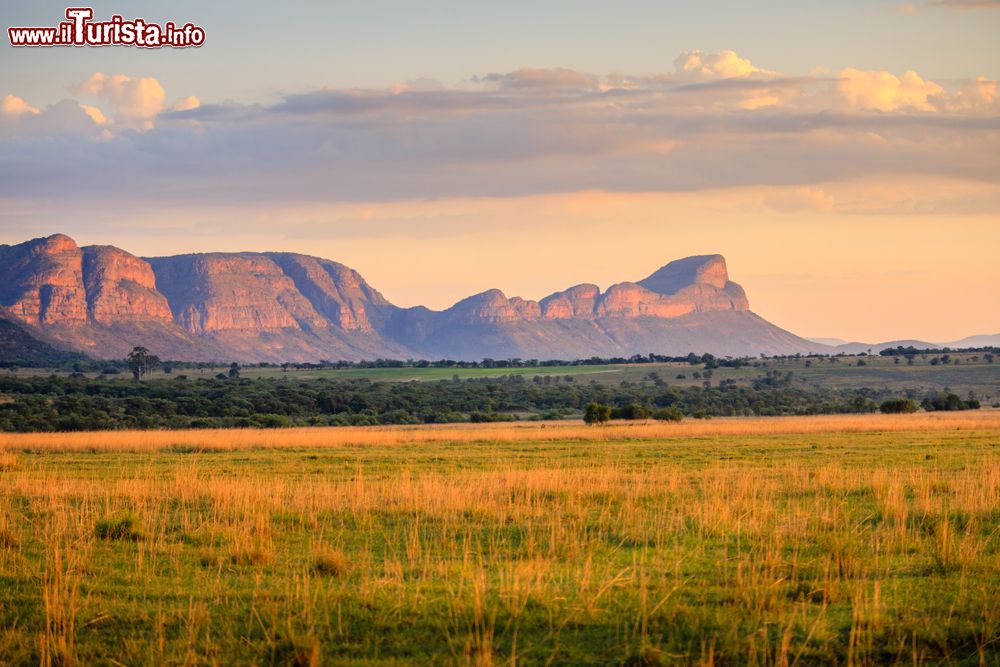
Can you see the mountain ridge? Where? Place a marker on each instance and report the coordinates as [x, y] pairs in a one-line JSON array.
[[280, 306]]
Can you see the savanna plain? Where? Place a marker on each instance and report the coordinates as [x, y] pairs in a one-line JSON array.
[[856, 539]]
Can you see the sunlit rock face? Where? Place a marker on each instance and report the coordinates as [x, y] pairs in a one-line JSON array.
[[41, 282], [121, 287], [290, 307]]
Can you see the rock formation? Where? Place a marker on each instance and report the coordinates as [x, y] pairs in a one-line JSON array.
[[121, 287], [41, 282], [289, 307]]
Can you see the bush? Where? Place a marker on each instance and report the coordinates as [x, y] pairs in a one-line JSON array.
[[486, 417], [948, 402], [631, 411], [899, 406], [120, 527], [669, 415], [271, 421], [596, 413]]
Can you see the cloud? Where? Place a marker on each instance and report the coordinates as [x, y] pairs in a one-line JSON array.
[[884, 91], [980, 93], [723, 65], [186, 103], [713, 121], [95, 114], [135, 100], [905, 9], [14, 106], [64, 119], [528, 77]]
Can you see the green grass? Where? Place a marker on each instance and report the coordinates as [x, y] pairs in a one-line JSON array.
[[977, 376], [826, 548]]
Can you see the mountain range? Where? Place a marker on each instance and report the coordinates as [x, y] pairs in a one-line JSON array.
[[102, 301], [846, 347]]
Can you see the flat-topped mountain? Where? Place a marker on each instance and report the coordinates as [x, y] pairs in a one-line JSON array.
[[102, 301]]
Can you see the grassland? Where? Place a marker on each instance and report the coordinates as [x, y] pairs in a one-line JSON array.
[[972, 373], [829, 540]]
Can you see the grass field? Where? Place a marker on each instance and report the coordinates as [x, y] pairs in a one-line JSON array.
[[972, 373], [786, 541]]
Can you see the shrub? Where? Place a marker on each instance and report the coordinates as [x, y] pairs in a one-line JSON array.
[[487, 417], [899, 406], [948, 402], [269, 420], [669, 415], [596, 413], [631, 411], [122, 526]]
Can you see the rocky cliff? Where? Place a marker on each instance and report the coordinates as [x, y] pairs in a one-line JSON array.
[[41, 281], [121, 287], [289, 307]]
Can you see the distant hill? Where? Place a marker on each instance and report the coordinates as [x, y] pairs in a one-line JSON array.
[[19, 347], [976, 341], [277, 307], [860, 348], [831, 342]]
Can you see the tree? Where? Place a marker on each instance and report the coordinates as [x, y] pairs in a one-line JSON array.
[[141, 362], [899, 406], [670, 414], [234, 370], [596, 413]]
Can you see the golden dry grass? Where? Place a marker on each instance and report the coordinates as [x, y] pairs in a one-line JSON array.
[[830, 540], [232, 439]]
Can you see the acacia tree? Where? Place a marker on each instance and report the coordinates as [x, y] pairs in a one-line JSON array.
[[141, 362], [596, 413]]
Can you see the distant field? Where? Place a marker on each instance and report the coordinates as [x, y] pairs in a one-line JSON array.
[[816, 540], [972, 373]]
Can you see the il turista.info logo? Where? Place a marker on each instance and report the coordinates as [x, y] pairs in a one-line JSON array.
[[79, 29]]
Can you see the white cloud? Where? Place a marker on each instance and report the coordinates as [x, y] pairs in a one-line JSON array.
[[135, 100], [95, 114], [884, 91], [719, 121], [699, 66], [186, 103], [14, 106], [976, 94]]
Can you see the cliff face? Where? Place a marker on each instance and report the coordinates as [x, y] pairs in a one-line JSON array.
[[692, 285], [41, 282], [576, 302], [290, 307], [340, 294], [121, 287], [232, 292], [493, 307]]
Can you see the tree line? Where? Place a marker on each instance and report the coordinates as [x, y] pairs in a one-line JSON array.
[[68, 403]]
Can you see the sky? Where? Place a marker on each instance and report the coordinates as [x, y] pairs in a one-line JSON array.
[[844, 157]]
